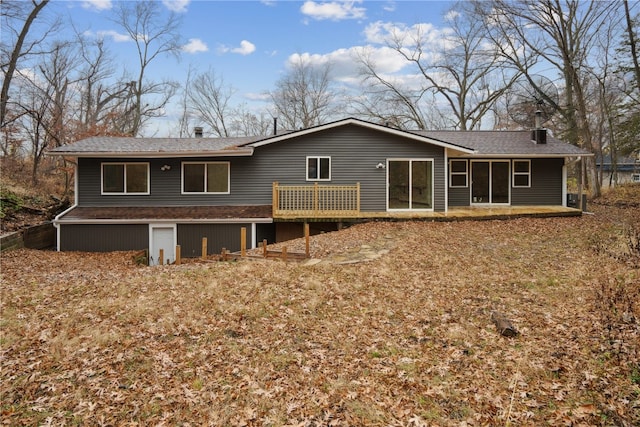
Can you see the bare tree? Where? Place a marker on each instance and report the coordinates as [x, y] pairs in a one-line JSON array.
[[247, 123], [17, 18], [388, 100], [632, 37], [209, 100], [464, 75], [100, 98], [186, 116], [304, 97], [562, 34], [154, 34], [46, 101]]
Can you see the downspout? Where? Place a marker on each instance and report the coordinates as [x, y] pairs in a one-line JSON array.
[[446, 180], [254, 238]]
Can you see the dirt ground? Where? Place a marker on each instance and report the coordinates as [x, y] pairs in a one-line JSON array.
[[400, 339]]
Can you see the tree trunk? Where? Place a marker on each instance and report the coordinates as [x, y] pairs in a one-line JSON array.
[[15, 55], [504, 326]]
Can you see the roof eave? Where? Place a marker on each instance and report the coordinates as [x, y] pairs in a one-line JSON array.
[[154, 154], [528, 156], [178, 220]]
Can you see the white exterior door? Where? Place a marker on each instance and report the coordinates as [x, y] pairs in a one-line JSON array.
[[162, 237]]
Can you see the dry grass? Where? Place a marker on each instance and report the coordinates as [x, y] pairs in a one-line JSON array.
[[404, 340]]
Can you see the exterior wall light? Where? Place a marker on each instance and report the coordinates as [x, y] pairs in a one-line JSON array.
[[165, 168], [380, 166]]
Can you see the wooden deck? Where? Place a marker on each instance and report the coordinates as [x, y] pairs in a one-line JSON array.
[[454, 214], [336, 203]]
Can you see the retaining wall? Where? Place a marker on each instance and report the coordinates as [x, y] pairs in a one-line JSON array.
[[41, 236]]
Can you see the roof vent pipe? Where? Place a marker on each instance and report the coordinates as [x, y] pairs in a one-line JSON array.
[[198, 131], [538, 119], [275, 125]]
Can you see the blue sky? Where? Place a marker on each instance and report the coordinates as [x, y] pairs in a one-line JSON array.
[[250, 43]]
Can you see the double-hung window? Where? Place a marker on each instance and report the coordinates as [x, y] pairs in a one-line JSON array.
[[458, 173], [318, 168], [125, 178], [522, 173], [205, 177]]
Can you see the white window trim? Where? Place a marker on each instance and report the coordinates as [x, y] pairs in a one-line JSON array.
[[318, 160], [182, 191], [433, 184], [491, 162], [465, 173], [514, 174], [124, 192]]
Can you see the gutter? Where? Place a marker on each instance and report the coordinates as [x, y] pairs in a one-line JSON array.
[[168, 220], [154, 154]]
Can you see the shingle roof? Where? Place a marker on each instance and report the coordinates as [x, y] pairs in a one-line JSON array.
[[483, 143], [167, 213], [154, 146], [505, 143]]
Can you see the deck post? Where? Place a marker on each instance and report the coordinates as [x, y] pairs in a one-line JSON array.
[[264, 248], [357, 197], [316, 191], [275, 199], [307, 250], [243, 241], [204, 248]]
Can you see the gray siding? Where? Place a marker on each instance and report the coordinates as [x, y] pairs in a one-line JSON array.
[[218, 236], [103, 237], [354, 152], [459, 196], [546, 184]]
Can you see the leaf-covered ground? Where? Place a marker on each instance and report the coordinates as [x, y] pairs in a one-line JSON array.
[[405, 339]]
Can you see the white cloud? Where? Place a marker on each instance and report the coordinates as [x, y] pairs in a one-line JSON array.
[[178, 6], [97, 4], [255, 96], [334, 10], [345, 65], [116, 36], [390, 6], [195, 46], [451, 15], [245, 48], [385, 33]]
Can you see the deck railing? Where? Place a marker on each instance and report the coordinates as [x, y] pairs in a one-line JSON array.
[[316, 201]]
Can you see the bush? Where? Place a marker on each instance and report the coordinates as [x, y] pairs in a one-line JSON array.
[[10, 202]]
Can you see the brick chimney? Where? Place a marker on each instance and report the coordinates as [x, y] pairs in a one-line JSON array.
[[197, 131]]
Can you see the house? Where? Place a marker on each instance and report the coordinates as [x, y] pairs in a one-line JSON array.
[[136, 193], [627, 169]]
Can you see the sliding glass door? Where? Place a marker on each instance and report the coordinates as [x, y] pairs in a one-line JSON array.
[[490, 182], [410, 184]]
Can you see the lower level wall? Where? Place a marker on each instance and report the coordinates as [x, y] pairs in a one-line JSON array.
[[129, 237], [103, 237]]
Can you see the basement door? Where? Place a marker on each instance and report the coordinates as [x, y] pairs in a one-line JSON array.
[[410, 184], [162, 237], [490, 182]]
